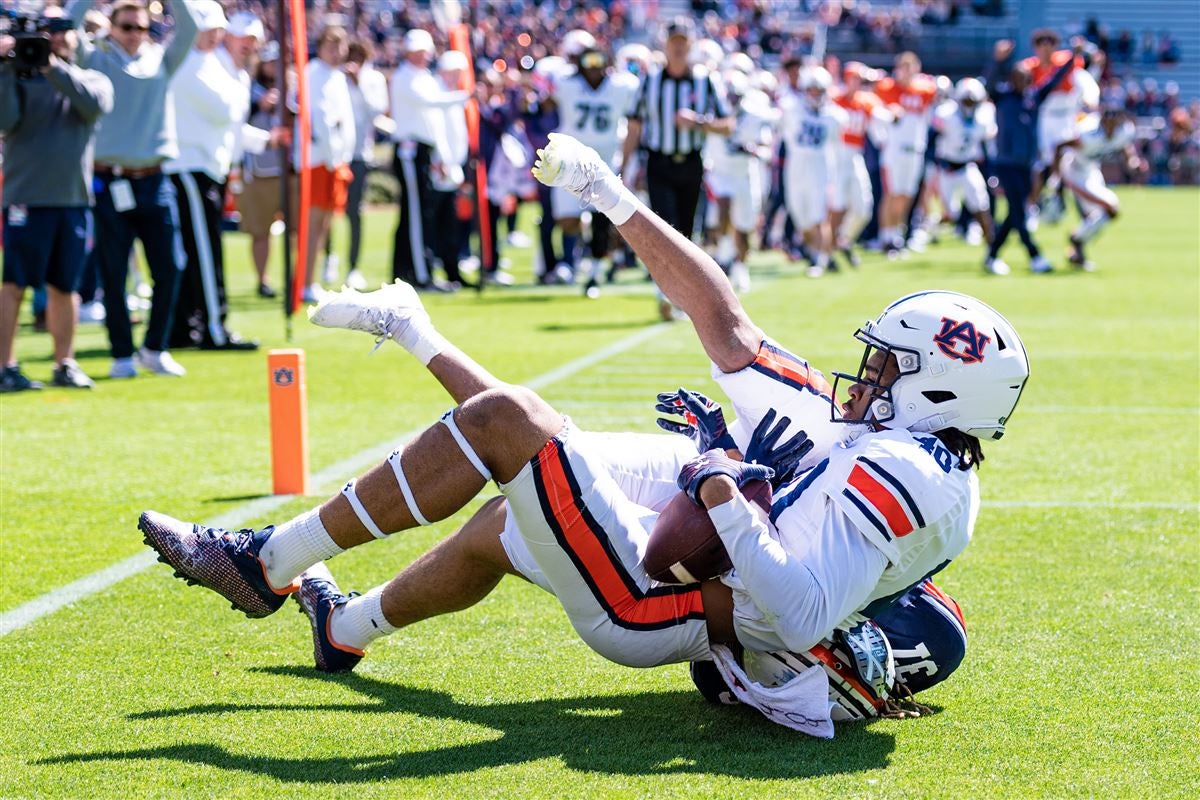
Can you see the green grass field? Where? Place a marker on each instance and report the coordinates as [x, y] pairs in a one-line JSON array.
[[1080, 590]]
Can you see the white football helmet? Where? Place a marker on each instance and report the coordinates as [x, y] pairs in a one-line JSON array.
[[961, 365], [707, 52], [815, 78], [970, 91], [576, 41]]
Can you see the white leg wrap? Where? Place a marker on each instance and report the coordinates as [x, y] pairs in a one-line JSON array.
[[464, 445], [360, 511], [405, 489]]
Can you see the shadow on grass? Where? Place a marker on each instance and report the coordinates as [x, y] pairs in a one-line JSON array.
[[237, 498], [651, 733]]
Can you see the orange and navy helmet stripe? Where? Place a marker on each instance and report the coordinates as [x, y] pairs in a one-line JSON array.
[[590, 550]]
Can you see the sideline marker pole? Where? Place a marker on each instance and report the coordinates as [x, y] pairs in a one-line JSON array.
[[289, 421]]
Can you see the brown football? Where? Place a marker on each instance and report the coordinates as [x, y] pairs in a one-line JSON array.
[[684, 546]]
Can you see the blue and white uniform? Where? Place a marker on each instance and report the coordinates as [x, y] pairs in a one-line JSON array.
[[959, 149], [813, 138]]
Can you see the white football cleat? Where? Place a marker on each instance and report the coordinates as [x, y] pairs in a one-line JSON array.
[[994, 266], [385, 313], [1040, 266], [569, 163]]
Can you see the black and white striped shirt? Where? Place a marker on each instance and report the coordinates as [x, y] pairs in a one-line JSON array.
[[662, 95]]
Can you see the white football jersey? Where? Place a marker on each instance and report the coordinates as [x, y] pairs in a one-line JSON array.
[[1094, 144], [903, 492], [960, 138], [596, 117], [812, 135]]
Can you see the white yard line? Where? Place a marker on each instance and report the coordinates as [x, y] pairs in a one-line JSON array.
[[33, 610]]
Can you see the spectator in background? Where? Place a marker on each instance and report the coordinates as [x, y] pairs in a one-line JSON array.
[[1123, 49], [134, 197], [261, 198], [369, 97], [446, 169], [333, 142], [48, 119], [1168, 50], [210, 108], [1149, 49], [417, 109]]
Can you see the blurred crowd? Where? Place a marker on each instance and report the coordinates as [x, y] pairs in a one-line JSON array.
[[200, 137]]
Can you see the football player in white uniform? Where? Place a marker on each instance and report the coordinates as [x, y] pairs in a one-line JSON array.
[[964, 125], [593, 103], [852, 202], [887, 497], [1112, 134], [735, 176], [811, 125]]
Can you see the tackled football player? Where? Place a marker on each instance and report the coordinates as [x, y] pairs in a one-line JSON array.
[[885, 498]]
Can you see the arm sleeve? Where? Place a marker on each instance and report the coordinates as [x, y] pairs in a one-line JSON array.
[[10, 105], [424, 90], [90, 92], [995, 78], [78, 9], [1058, 77], [718, 102], [185, 36], [255, 140], [802, 598]]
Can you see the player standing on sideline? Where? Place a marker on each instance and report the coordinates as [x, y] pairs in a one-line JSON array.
[[852, 201], [1058, 123], [812, 127], [592, 103], [964, 125], [1113, 133], [909, 97], [737, 175], [892, 503], [1017, 106]]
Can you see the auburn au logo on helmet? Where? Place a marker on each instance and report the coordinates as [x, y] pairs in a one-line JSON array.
[[961, 340]]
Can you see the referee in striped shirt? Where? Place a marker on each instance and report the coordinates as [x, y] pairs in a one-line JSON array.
[[678, 106]]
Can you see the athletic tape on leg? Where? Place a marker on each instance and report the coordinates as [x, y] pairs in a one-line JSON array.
[[464, 445], [405, 489], [360, 511]]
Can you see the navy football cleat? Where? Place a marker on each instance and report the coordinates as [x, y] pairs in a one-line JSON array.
[[319, 595], [225, 561]]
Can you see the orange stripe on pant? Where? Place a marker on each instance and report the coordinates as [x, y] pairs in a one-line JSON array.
[[883, 500], [603, 572], [946, 600]]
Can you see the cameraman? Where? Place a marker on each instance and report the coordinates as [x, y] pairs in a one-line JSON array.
[[133, 196], [48, 116]]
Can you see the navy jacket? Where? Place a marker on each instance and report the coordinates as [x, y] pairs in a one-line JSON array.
[[1017, 112]]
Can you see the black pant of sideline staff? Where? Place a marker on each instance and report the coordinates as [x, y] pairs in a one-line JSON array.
[[447, 233], [200, 309], [411, 167], [1017, 183], [674, 183]]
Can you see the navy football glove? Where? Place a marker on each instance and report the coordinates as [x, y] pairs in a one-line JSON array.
[[704, 422], [784, 458], [714, 462]]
